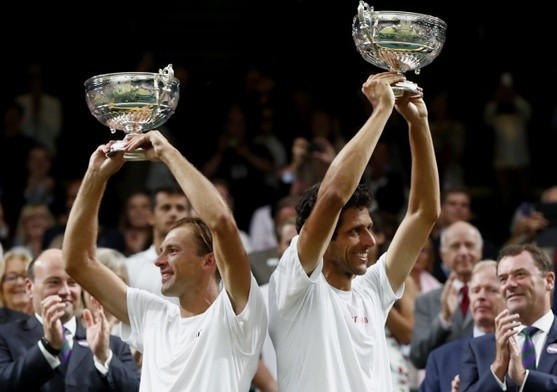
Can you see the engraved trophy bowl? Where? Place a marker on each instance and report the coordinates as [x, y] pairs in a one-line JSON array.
[[133, 102], [398, 41]]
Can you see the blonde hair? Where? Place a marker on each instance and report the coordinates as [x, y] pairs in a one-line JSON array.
[[14, 253], [27, 211]]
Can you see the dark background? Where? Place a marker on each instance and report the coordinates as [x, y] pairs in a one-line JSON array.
[[303, 42]]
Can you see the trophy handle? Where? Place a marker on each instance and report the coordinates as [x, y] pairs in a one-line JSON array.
[[367, 23]]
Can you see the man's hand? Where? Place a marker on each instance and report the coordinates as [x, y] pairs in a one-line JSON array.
[[505, 325], [98, 331], [517, 373], [52, 310], [449, 299]]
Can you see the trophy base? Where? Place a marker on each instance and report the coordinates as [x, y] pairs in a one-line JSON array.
[[401, 87], [136, 155]]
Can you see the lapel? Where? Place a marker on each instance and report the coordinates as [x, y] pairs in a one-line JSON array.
[[80, 350], [548, 358]]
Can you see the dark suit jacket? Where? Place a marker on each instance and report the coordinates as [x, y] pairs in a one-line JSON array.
[[428, 333], [479, 353], [8, 315], [443, 364], [23, 366]]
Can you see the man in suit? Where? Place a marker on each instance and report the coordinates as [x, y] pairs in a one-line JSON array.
[[493, 362], [439, 317], [30, 349], [486, 302]]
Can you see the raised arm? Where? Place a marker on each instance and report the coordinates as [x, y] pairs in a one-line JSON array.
[[346, 170], [231, 257], [424, 202], [80, 238]]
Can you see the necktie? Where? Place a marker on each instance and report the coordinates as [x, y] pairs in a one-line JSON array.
[[66, 348], [464, 300], [528, 349]]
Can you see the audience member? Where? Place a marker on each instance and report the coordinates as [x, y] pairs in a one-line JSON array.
[[53, 237], [442, 314], [323, 299], [34, 351], [13, 271], [168, 205], [264, 262], [486, 302], [135, 223], [243, 164], [508, 115], [225, 327], [449, 139], [263, 223], [536, 222], [5, 230], [13, 160], [34, 220], [42, 112], [493, 362], [386, 182], [455, 206]]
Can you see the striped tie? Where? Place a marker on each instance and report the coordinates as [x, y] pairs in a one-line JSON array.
[[528, 349], [66, 349]]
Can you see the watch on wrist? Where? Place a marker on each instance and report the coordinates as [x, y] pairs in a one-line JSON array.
[[49, 348]]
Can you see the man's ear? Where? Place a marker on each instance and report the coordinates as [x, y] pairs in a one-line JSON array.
[[209, 260]]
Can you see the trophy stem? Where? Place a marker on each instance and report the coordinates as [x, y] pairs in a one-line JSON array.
[[400, 87], [136, 155]]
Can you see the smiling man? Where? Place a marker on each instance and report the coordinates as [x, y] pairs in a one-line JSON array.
[[493, 362]]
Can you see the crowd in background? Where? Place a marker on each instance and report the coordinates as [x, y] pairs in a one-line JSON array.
[[263, 144]]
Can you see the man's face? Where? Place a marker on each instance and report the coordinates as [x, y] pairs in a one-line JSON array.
[[180, 264], [51, 279], [461, 250], [347, 254], [526, 289], [455, 207], [486, 300], [139, 210], [169, 207]]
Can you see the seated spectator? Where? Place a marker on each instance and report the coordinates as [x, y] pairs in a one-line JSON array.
[[15, 302]]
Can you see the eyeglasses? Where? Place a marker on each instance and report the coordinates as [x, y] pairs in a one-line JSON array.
[[12, 278]]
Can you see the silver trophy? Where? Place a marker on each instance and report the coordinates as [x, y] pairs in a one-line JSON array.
[[398, 41], [133, 102]]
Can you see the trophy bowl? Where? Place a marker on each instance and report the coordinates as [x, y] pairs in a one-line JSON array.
[[398, 41], [133, 102]]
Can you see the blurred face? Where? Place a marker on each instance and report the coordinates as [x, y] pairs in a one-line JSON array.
[[52, 279], [486, 300], [36, 223], [347, 254], [455, 207], [526, 289], [425, 258], [288, 231], [169, 208], [180, 265], [461, 249], [13, 285], [139, 211], [38, 161]]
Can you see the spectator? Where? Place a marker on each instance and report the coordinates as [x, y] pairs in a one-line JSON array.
[[493, 362], [442, 314], [486, 302]]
